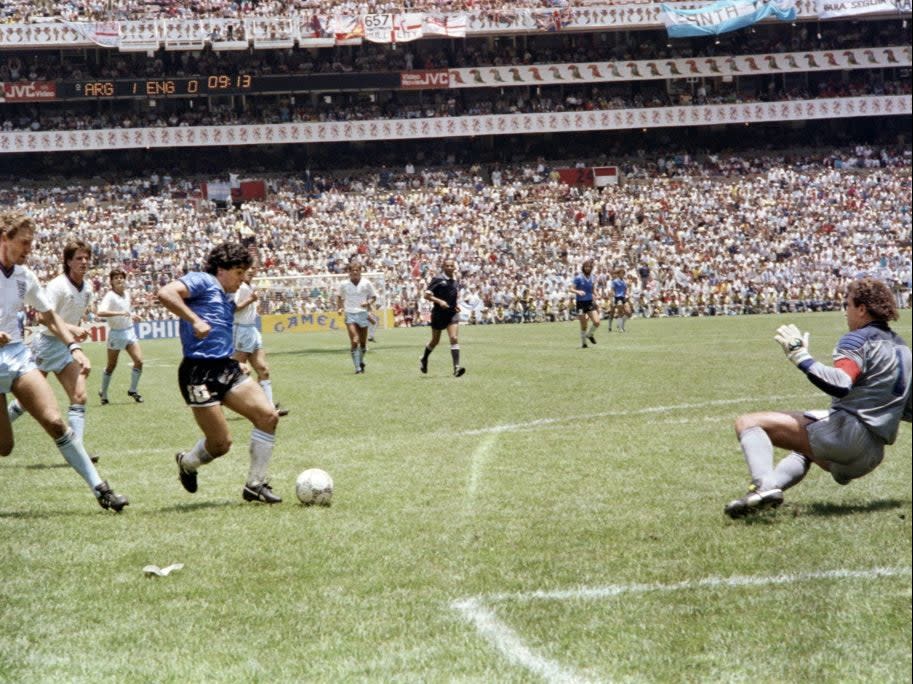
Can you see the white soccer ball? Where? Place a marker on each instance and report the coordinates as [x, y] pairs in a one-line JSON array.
[[314, 487]]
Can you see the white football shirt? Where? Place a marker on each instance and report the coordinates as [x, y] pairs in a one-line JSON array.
[[69, 301], [355, 296], [17, 289], [115, 302], [247, 315]]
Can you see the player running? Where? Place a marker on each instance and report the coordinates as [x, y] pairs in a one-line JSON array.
[[870, 389], [583, 289], [71, 297], [621, 308], [117, 309], [444, 293], [18, 374], [355, 299], [209, 378], [248, 341]]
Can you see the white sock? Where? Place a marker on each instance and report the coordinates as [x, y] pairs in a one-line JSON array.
[[261, 451], [268, 389], [193, 459]]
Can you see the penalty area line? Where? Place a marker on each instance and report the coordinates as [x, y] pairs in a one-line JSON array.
[[649, 410], [477, 610]]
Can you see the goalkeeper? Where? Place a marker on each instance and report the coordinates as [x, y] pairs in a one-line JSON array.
[[869, 385]]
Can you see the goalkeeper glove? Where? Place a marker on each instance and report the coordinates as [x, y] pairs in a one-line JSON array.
[[794, 343]]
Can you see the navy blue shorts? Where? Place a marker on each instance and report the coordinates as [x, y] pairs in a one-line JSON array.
[[205, 382]]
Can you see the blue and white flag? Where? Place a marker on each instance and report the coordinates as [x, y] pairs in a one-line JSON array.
[[723, 16]]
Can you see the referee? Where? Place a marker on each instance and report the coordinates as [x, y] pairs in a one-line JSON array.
[[444, 293]]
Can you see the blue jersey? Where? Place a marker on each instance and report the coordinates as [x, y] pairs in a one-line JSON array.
[[619, 287], [582, 282], [215, 306]]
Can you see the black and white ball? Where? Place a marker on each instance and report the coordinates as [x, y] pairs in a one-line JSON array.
[[314, 487]]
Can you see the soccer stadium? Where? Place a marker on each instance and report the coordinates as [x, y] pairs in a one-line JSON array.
[[596, 314]]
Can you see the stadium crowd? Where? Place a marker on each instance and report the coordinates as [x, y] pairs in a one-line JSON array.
[[98, 10], [696, 236]]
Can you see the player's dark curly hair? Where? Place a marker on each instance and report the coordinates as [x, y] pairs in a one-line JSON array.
[[875, 296], [228, 255], [70, 250]]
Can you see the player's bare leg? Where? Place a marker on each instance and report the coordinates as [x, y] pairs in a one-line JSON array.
[[113, 355], [37, 398], [136, 355], [356, 346], [7, 441]]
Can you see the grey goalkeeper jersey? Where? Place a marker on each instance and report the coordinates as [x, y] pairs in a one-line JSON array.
[[880, 397]]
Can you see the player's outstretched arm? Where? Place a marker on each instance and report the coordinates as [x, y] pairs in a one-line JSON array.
[[835, 381]]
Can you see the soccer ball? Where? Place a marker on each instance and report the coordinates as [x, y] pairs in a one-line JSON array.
[[314, 487]]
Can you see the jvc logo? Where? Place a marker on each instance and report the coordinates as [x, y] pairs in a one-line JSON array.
[[27, 91]]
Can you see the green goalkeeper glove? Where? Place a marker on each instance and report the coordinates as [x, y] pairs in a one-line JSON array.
[[794, 343]]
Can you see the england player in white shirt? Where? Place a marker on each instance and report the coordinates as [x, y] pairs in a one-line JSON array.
[[248, 341], [71, 297], [355, 298], [117, 309], [18, 374]]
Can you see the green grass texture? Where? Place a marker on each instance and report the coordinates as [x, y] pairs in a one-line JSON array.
[[554, 515]]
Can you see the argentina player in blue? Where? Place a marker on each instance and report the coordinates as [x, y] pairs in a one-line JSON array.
[[585, 304], [209, 378], [869, 386], [620, 306]]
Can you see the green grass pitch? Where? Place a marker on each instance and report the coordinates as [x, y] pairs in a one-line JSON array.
[[554, 515]]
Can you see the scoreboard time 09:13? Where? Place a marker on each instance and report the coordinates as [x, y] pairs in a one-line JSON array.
[[215, 84]]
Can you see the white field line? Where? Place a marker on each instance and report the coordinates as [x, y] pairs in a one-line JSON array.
[[476, 466], [511, 645], [476, 610], [649, 410]]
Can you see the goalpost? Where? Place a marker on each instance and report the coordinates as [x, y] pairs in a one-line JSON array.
[[315, 294]]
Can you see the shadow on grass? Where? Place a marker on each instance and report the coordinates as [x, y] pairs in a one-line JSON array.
[[93, 509], [196, 506], [344, 348], [823, 509], [832, 509]]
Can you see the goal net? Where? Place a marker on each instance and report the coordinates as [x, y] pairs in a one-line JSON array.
[[315, 294]]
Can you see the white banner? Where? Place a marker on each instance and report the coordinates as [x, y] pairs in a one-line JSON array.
[[378, 28], [407, 27], [451, 25], [640, 70], [321, 30], [829, 9], [455, 127], [103, 33]]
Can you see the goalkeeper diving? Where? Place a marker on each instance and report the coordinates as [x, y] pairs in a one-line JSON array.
[[869, 386]]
